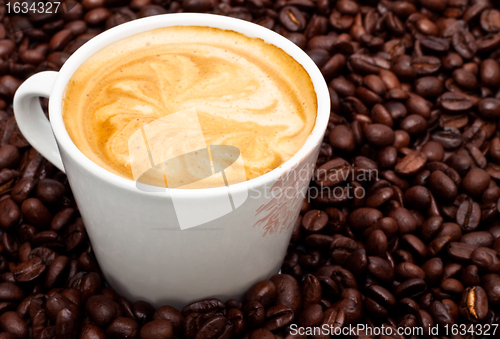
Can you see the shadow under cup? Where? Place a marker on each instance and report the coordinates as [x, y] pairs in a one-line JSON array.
[[138, 239]]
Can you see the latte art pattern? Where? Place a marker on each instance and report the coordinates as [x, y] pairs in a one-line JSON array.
[[247, 94]]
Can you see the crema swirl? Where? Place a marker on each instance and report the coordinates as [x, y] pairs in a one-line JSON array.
[[247, 93]]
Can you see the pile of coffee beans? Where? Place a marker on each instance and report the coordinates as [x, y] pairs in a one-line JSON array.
[[415, 96]]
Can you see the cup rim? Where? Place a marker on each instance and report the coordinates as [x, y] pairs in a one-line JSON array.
[[246, 28]]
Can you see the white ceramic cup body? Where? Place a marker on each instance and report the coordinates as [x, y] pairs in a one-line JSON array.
[[142, 251]]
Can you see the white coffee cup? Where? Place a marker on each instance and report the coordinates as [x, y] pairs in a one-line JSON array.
[[136, 235]]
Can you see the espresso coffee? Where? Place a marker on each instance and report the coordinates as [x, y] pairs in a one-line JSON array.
[[244, 92]]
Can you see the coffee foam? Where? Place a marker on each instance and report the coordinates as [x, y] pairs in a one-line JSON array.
[[247, 93]]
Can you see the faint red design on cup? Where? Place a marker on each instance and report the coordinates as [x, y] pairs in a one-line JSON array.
[[289, 191]]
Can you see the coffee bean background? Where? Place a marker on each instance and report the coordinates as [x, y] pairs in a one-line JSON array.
[[415, 95]]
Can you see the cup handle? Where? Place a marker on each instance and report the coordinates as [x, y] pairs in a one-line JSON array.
[[31, 119]]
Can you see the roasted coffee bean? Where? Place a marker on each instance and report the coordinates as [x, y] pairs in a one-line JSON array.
[[310, 316], [97, 15], [490, 20], [75, 236], [406, 270], [352, 311], [9, 157], [478, 239], [292, 19], [36, 213], [362, 218], [342, 138], [204, 306], [8, 86], [314, 221], [76, 27], [46, 254], [12, 323], [62, 219], [379, 135], [341, 248], [357, 262], [377, 243], [49, 192], [22, 189], [333, 172], [486, 259], [156, 329], [470, 276], [40, 322], [426, 65], [254, 313], [430, 228], [489, 108], [414, 124], [60, 40], [319, 56], [428, 87], [261, 333], [126, 306], [123, 328], [491, 284], [67, 322], [311, 290], [405, 220], [438, 244], [380, 268], [442, 187], [381, 115], [10, 291], [449, 137], [172, 315], [460, 252], [434, 44], [343, 86], [418, 197], [474, 304], [7, 47], [476, 182], [334, 66], [91, 331], [237, 319], [464, 78], [490, 73], [29, 270], [411, 288], [453, 120], [464, 43], [10, 214], [387, 157], [101, 310], [318, 241], [216, 326], [263, 292], [143, 311], [278, 317], [287, 291], [411, 164], [455, 102], [414, 245], [54, 304], [451, 286], [468, 215]]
